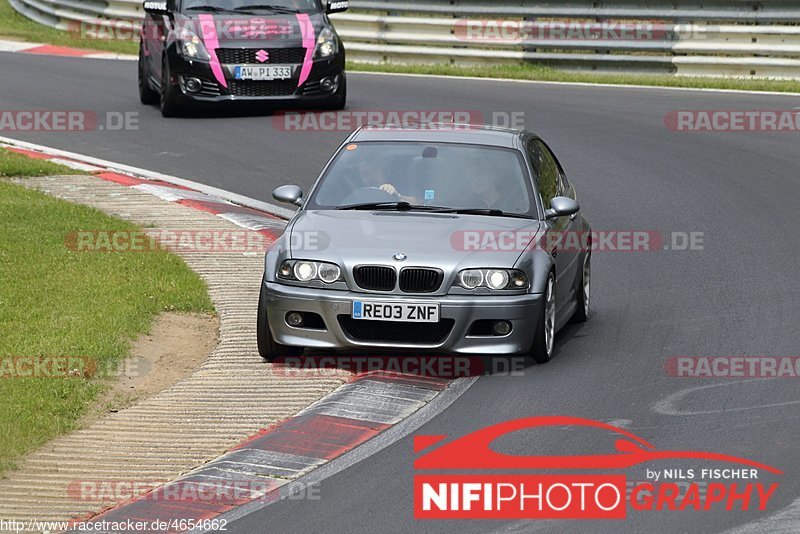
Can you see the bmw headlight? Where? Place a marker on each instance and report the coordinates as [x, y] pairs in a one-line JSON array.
[[326, 43], [497, 279], [307, 271], [191, 45]]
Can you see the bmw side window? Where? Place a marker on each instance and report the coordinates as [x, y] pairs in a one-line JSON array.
[[548, 174], [564, 187]]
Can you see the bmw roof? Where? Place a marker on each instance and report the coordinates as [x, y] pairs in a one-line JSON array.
[[441, 133]]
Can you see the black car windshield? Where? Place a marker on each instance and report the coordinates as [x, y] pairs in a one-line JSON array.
[[444, 175], [258, 6]]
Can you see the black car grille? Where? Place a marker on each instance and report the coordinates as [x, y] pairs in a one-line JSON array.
[[262, 88], [396, 331], [375, 277], [248, 55], [312, 89], [209, 89], [414, 280]]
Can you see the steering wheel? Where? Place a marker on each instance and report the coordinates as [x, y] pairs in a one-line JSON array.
[[364, 195]]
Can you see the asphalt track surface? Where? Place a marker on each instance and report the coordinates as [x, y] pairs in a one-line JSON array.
[[738, 296]]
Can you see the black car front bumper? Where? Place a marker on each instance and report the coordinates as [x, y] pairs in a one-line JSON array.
[[232, 90]]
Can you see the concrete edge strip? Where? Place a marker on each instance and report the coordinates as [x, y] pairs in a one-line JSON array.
[[38, 48], [267, 466]]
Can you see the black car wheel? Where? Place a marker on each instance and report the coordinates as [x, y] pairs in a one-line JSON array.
[[169, 105], [542, 350], [147, 96], [268, 348]]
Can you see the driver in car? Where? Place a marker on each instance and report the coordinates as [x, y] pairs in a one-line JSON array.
[[490, 190], [377, 175]]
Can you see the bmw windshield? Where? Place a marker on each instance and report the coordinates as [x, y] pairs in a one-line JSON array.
[[414, 175]]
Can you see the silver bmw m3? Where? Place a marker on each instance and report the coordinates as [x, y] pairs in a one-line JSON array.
[[457, 239]]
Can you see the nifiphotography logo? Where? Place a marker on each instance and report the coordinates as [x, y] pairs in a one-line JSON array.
[[513, 492]]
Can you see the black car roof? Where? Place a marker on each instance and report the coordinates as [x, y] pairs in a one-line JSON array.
[[441, 133]]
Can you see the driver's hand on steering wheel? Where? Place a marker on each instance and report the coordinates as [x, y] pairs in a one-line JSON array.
[[390, 190]]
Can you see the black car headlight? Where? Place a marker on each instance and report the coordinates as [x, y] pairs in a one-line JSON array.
[[326, 44], [496, 279], [191, 46], [308, 271]]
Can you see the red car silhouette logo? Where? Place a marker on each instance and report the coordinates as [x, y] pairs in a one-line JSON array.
[[474, 451]]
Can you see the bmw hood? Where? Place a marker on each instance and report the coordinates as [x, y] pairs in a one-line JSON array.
[[446, 241]]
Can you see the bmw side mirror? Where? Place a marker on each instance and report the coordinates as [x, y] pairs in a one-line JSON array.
[[336, 6], [156, 7], [562, 207], [289, 194]]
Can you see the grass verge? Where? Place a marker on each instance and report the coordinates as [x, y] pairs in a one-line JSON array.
[[58, 303], [547, 74], [13, 164]]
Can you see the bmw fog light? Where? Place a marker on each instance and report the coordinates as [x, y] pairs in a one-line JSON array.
[[294, 319], [501, 328]]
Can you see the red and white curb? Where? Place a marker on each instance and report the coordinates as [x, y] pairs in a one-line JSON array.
[[258, 469], [60, 51], [168, 188]]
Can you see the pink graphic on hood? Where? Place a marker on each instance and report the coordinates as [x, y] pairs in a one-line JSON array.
[[309, 43], [259, 28], [211, 41]]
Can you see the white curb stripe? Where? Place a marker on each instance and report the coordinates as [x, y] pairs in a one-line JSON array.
[[76, 165], [172, 194], [17, 46]]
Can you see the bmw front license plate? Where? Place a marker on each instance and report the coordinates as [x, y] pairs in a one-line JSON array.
[[407, 312], [262, 72]]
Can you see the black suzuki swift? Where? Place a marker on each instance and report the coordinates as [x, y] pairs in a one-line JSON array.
[[281, 51]]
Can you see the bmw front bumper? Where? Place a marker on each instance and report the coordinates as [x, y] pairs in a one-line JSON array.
[[452, 335]]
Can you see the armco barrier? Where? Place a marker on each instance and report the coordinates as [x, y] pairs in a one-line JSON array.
[[742, 38]]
